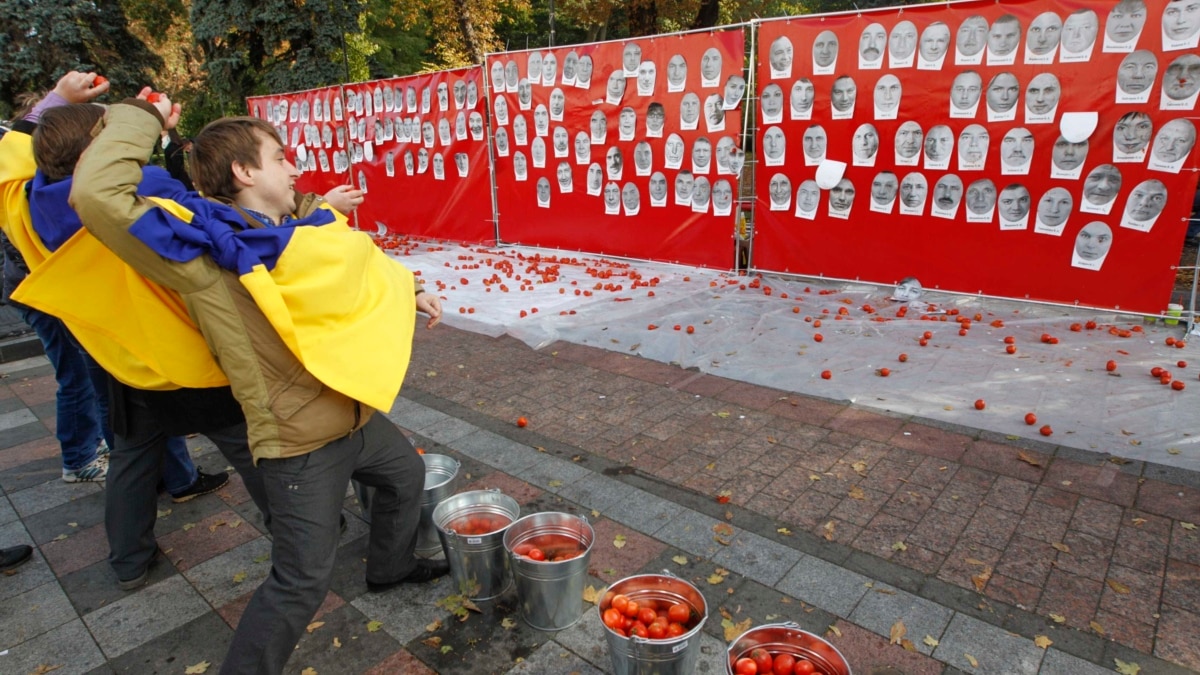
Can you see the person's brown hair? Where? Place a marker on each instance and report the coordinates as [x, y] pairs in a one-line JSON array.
[[25, 103], [62, 134], [219, 145]]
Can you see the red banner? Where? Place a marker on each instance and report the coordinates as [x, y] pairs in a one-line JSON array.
[[965, 164], [311, 125], [625, 148]]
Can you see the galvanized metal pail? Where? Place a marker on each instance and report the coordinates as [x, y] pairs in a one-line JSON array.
[[478, 560], [441, 477], [670, 656], [550, 591], [789, 638]]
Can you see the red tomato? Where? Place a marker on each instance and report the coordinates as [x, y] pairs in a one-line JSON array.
[[657, 631], [1181, 364], [817, 337], [1011, 349], [1091, 325], [763, 659], [675, 629], [1046, 430], [903, 358], [620, 602], [784, 663], [1010, 340], [639, 629], [1110, 366], [100, 79], [647, 615], [826, 375], [522, 422], [1156, 371], [632, 609], [679, 613], [691, 329], [1178, 385], [980, 404], [1030, 419], [884, 372], [154, 97], [613, 619], [745, 666], [804, 667], [537, 554], [927, 334]]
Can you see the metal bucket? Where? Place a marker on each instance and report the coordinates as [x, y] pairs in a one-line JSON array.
[[789, 638], [441, 477], [670, 656], [478, 562], [550, 593]]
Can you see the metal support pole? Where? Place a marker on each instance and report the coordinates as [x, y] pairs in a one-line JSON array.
[[750, 112], [487, 111]]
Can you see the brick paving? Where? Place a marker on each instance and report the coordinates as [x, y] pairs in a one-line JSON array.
[[840, 516]]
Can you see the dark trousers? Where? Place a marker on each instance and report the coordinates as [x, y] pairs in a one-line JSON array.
[[306, 495], [134, 467]]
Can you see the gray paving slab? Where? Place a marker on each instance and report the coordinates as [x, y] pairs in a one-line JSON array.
[[497, 451], [7, 513], [405, 610], [24, 434], [1056, 662], [643, 511], [205, 638], [49, 495], [693, 532], [16, 418], [997, 651], [142, 616], [587, 639], [25, 616], [597, 491], [27, 577], [14, 368], [882, 606], [218, 579], [553, 657], [824, 585], [414, 416], [758, 558], [552, 473], [68, 649]]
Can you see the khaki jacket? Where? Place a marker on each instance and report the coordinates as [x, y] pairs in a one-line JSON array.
[[288, 411]]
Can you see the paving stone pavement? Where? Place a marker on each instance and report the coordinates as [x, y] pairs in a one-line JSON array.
[[846, 521]]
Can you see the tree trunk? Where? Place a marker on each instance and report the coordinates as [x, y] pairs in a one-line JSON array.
[[643, 17], [708, 15], [468, 31]]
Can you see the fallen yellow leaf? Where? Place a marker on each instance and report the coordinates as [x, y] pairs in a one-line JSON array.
[[619, 541], [1058, 618], [309, 671], [508, 623], [1188, 526], [1029, 459], [555, 483], [814, 477], [899, 546], [314, 625], [835, 630], [1062, 547], [1117, 586], [1127, 668], [897, 632], [337, 644], [1096, 627], [434, 627], [374, 626], [434, 642], [680, 559], [931, 641], [784, 531], [733, 630], [196, 669], [980, 580], [592, 595], [188, 526], [857, 493], [1042, 641], [972, 660], [829, 527], [239, 577], [1173, 451], [860, 467]]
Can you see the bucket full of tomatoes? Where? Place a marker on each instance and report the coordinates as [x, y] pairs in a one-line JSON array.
[[784, 648], [549, 554], [471, 526], [441, 477], [652, 623]]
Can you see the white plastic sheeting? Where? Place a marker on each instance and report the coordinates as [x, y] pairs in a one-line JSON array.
[[747, 335]]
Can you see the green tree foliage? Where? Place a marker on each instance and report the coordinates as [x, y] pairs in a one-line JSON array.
[[40, 40], [255, 47]]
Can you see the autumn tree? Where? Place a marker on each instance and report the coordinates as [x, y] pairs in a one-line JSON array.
[[40, 40]]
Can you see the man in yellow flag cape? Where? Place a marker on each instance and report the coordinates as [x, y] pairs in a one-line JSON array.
[[311, 323]]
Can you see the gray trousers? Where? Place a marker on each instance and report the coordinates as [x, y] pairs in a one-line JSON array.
[[306, 495], [131, 494]]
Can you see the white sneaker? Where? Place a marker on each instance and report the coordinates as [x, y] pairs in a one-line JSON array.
[[102, 450], [94, 472]]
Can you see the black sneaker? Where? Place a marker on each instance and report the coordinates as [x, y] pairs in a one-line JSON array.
[[14, 557], [205, 483], [426, 570]]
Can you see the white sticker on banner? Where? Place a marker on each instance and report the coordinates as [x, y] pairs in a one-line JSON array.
[[1077, 127], [829, 173]]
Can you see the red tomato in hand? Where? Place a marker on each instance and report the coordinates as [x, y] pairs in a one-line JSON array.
[[154, 97], [100, 79], [745, 666], [679, 613], [763, 659], [784, 663]]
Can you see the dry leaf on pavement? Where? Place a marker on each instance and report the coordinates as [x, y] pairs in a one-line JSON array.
[[733, 630], [592, 595], [314, 625], [930, 641], [1057, 618], [309, 671], [374, 626], [1042, 641], [857, 493], [434, 627], [1029, 459], [1096, 627], [197, 669], [1127, 668], [1117, 586], [897, 632], [980, 580], [680, 559], [828, 528], [508, 623], [972, 660], [619, 541], [833, 629], [1062, 547]]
